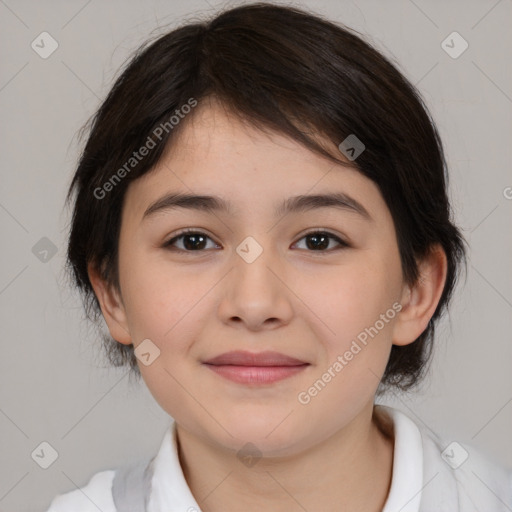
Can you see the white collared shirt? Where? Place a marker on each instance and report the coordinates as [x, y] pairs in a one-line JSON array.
[[429, 475]]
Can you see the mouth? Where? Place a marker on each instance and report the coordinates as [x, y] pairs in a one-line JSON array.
[[255, 368]]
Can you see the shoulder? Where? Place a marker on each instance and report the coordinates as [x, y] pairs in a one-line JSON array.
[[460, 470], [95, 495], [453, 475]]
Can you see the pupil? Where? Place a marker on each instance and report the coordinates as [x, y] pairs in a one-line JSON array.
[[316, 242], [193, 245]]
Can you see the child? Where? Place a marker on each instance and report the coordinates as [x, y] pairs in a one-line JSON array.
[[261, 217]]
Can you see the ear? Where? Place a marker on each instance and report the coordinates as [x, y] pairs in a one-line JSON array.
[[419, 302], [112, 307]]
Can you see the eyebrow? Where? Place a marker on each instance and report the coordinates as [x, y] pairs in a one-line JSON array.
[[295, 204]]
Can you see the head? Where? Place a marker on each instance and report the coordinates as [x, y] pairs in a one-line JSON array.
[[254, 108]]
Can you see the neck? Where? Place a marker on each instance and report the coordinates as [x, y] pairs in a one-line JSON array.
[[350, 470]]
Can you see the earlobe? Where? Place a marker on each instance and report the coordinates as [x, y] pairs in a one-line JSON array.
[[420, 300], [112, 307]]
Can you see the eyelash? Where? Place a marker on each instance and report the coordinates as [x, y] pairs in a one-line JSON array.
[[169, 244]]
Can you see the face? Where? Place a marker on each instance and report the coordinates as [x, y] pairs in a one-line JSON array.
[[319, 284]]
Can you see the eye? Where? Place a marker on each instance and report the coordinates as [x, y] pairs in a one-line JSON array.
[[192, 241], [319, 241], [197, 241]]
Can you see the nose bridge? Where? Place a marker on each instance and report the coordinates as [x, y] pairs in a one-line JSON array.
[[253, 260]]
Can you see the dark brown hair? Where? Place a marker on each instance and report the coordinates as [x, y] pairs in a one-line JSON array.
[[283, 69]]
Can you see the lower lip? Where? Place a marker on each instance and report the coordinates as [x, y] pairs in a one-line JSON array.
[[256, 374]]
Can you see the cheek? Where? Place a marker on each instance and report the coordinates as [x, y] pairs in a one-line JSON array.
[[356, 332], [164, 306], [357, 317], [352, 297], [157, 295]]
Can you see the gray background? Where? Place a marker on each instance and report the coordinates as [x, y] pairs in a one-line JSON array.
[[56, 388]]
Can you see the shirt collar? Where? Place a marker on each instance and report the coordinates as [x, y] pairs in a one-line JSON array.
[[407, 476], [170, 491]]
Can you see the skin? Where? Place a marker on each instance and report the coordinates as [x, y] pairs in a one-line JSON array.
[[325, 455]]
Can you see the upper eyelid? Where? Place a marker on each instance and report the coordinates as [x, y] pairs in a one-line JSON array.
[[189, 231]]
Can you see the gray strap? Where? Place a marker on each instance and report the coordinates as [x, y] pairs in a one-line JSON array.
[[132, 486]]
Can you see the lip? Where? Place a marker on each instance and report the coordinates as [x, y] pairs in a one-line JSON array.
[[255, 368], [244, 358]]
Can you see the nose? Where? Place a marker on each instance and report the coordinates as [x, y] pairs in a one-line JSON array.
[[256, 294]]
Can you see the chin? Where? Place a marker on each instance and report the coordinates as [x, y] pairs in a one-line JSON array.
[[270, 437]]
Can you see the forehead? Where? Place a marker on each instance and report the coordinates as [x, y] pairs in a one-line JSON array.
[[217, 153]]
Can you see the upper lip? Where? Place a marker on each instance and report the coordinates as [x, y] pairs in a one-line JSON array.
[[242, 358]]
